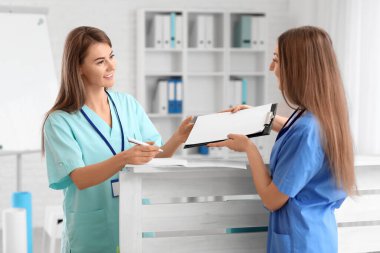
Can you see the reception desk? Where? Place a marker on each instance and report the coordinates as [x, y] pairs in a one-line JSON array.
[[216, 209]]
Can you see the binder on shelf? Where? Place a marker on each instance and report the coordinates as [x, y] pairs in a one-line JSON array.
[[209, 31], [243, 32], [178, 31], [255, 31], [178, 95], [160, 100], [211, 128], [166, 31], [238, 92], [172, 29], [244, 87], [171, 96], [262, 32], [157, 32], [198, 32]]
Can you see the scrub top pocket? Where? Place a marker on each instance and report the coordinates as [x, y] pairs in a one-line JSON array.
[[88, 232], [280, 243]]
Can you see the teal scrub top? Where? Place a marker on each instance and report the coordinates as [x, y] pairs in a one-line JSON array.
[[91, 222], [300, 169]]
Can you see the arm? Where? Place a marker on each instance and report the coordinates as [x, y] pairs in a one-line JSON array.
[[278, 122], [179, 137], [95, 174], [271, 197]]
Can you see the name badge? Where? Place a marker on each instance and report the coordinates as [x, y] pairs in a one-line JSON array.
[[115, 187]]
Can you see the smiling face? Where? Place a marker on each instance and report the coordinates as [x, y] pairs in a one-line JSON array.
[[98, 67]]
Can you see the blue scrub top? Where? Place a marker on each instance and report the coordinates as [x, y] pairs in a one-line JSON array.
[[300, 169], [91, 221]]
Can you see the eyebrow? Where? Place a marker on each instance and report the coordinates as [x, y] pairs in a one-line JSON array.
[[102, 58]]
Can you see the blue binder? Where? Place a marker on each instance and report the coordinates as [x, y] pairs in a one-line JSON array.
[[178, 95], [244, 91], [172, 29], [171, 96]]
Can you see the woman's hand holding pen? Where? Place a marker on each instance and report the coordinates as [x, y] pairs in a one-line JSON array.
[[140, 154]]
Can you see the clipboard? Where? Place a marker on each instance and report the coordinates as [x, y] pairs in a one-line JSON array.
[[215, 127]]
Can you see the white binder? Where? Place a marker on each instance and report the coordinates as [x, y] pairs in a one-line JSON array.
[[262, 32], [255, 32], [166, 31], [178, 31], [160, 100], [200, 32], [157, 31], [209, 31]]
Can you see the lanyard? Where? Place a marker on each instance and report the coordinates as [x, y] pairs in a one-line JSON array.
[[98, 131], [286, 127]]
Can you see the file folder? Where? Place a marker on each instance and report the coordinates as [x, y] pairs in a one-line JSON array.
[[255, 32], [178, 95], [178, 32], [251, 122], [160, 101], [244, 87], [172, 29], [243, 32], [157, 31], [171, 96], [198, 35], [209, 35], [166, 31], [262, 32]]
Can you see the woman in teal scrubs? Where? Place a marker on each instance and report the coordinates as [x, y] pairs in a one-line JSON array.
[[312, 163], [86, 142]]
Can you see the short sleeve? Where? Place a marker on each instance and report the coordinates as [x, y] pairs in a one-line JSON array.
[[299, 160], [146, 127], [62, 152]]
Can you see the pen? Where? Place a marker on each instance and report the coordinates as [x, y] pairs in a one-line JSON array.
[[131, 140]]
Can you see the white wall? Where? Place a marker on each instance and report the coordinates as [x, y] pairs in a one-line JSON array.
[[117, 18]]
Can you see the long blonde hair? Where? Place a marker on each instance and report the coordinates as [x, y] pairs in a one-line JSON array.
[[71, 95], [310, 78]]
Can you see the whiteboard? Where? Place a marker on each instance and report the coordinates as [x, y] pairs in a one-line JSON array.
[[27, 79]]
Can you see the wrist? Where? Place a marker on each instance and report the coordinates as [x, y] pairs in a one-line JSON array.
[[177, 138], [251, 147]]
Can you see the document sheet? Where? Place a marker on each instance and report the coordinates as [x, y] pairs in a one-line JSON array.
[[215, 127]]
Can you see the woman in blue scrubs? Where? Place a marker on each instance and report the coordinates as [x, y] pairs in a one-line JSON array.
[[85, 142], [312, 163]]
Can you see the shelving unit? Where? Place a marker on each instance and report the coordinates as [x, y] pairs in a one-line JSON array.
[[205, 72]]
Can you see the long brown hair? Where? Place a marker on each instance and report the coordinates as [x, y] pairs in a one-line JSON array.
[[71, 95], [310, 78]]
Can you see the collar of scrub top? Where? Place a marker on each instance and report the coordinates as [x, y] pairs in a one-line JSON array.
[[286, 127], [98, 131]]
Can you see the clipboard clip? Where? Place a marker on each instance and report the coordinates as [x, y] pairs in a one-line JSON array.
[[269, 118]]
